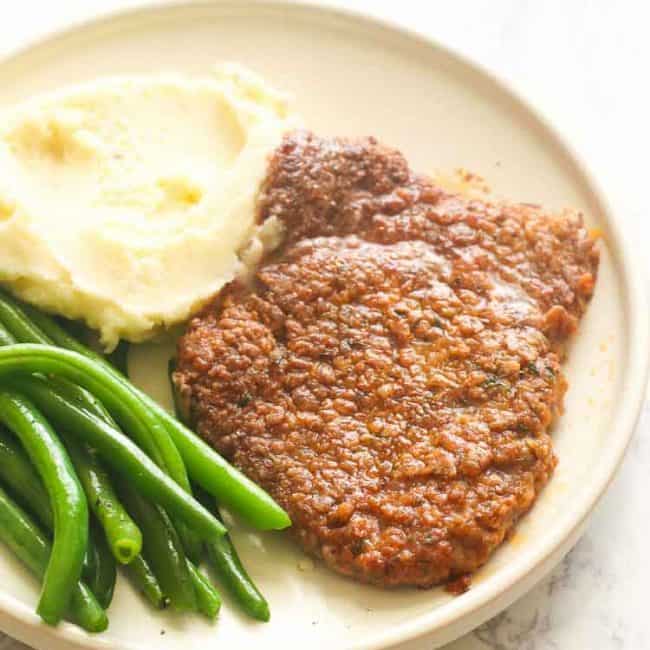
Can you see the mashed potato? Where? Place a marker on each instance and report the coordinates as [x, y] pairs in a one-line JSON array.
[[125, 202]]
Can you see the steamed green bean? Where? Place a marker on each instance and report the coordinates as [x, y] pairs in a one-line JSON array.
[[120, 453], [67, 501], [23, 537]]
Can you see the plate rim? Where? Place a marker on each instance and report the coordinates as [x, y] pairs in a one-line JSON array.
[[501, 589]]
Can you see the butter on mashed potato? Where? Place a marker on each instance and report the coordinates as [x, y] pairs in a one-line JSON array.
[[125, 202]]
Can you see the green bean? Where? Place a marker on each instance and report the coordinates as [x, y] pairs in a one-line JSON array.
[[91, 567], [123, 536], [212, 472], [235, 491], [58, 335], [159, 446], [30, 332], [6, 337], [81, 397], [191, 542], [155, 441], [144, 580], [23, 537], [86, 611], [105, 574], [18, 473], [116, 522], [118, 451], [207, 597], [162, 548], [222, 554], [204, 465], [67, 501], [224, 559], [14, 318]]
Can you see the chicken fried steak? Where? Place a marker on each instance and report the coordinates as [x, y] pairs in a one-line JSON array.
[[392, 374]]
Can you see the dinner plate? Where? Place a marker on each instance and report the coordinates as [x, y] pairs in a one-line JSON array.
[[352, 75]]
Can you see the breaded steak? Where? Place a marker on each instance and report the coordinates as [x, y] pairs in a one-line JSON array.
[[392, 373]]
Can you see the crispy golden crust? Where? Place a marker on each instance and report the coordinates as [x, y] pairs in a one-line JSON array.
[[391, 377]]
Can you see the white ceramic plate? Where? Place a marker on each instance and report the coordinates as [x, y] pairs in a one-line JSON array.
[[352, 75]]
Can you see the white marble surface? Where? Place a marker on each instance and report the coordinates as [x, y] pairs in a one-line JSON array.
[[584, 63]]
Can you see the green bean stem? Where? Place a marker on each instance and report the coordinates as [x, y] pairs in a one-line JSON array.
[[207, 597], [67, 501], [120, 453], [162, 549], [144, 580], [123, 536]]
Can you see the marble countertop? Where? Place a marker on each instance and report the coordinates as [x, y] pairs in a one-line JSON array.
[[583, 64]]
